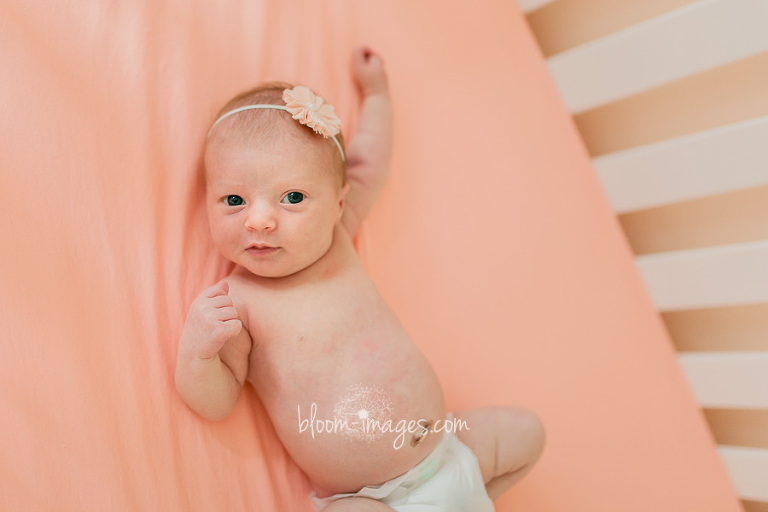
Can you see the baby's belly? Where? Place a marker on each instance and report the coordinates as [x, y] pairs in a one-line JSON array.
[[355, 415]]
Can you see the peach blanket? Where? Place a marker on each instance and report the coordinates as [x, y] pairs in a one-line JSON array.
[[492, 241]]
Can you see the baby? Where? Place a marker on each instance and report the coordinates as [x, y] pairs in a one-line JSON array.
[[354, 401]]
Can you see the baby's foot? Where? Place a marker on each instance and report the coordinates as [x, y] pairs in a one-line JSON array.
[[368, 68]]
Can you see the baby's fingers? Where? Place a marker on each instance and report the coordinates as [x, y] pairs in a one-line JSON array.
[[224, 314], [220, 301], [228, 329], [361, 54], [219, 289], [369, 71]]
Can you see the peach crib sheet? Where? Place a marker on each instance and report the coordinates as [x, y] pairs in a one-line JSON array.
[[492, 241]]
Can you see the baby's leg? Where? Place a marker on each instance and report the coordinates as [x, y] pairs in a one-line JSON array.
[[357, 505], [507, 443]]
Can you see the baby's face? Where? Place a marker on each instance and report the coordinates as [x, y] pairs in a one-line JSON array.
[[272, 209]]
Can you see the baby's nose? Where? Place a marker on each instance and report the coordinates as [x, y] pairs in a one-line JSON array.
[[260, 217]]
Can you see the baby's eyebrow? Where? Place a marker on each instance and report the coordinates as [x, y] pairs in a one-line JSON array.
[[226, 183], [290, 184]]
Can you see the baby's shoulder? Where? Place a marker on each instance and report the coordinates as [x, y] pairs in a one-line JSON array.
[[262, 307], [246, 294]]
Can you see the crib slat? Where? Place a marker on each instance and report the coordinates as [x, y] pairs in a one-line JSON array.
[[566, 24], [680, 43], [690, 167], [715, 329], [532, 5], [748, 468], [739, 427], [728, 94], [728, 379], [710, 277]]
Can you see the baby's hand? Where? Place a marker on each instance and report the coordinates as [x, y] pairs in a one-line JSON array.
[[211, 321], [368, 68]]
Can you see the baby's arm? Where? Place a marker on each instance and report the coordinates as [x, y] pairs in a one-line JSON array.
[[212, 362], [370, 147]]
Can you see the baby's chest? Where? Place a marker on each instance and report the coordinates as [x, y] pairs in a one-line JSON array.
[[283, 326], [310, 342]]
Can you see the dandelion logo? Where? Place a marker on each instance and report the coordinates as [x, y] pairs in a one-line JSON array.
[[363, 410]]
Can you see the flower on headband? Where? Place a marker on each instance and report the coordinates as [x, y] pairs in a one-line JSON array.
[[310, 109]]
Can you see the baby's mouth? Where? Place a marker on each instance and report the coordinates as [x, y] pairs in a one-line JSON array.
[[261, 249]]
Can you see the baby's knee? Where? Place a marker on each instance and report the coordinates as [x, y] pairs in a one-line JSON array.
[[526, 428]]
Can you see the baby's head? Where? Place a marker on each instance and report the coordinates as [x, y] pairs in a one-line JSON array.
[[247, 119], [275, 179]]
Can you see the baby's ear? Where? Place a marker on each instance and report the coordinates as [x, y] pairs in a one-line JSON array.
[[343, 193], [343, 197]]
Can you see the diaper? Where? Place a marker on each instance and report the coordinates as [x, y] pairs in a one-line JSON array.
[[447, 480]]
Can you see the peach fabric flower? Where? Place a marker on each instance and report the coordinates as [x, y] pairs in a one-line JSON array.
[[311, 110]]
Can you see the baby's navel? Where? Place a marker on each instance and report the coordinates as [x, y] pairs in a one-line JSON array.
[[419, 436]]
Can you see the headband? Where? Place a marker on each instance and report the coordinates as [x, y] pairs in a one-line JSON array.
[[304, 106]]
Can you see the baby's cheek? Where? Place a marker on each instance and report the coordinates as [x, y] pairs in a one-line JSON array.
[[222, 239]]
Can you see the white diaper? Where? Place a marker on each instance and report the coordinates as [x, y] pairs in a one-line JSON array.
[[447, 480]]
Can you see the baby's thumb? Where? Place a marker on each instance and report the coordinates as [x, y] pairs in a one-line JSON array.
[[223, 285]]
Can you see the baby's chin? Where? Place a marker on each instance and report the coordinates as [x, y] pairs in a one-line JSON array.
[[266, 272]]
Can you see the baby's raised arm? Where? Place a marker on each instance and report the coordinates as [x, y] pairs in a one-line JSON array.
[[212, 362], [370, 147]]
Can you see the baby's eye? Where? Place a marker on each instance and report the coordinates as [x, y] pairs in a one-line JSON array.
[[293, 198], [233, 200]]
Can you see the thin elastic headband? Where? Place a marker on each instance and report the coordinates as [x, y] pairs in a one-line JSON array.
[[304, 106]]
